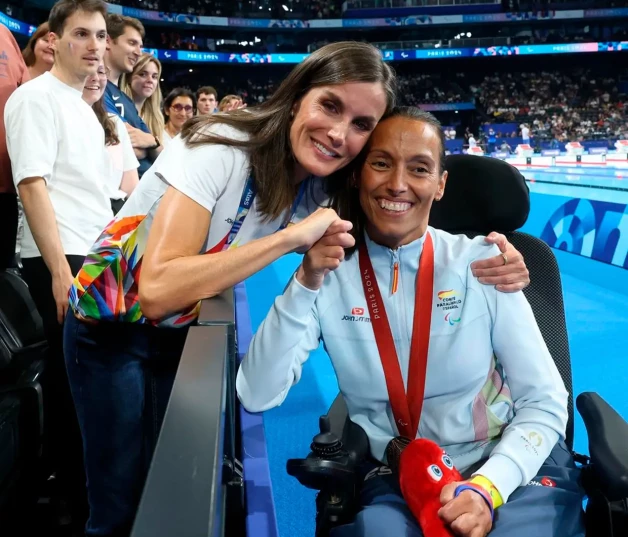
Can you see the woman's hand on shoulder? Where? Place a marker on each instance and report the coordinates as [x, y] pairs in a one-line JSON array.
[[325, 255], [507, 271]]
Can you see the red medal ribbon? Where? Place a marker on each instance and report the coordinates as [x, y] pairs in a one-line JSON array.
[[406, 409]]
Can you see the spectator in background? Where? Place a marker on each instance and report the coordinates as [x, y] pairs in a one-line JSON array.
[[472, 141], [124, 164], [492, 139], [207, 100], [13, 73], [230, 102], [38, 55], [59, 162], [142, 85], [179, 106], [505, 146], [124, 49], [525, 133]]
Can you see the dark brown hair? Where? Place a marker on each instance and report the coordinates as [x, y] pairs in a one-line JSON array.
[[64, 9], [346, 198], [268, 125], [29, 50], [108, 124], [117, 25], [206, 90]]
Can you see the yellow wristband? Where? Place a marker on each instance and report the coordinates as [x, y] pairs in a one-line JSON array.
[[496, 497]]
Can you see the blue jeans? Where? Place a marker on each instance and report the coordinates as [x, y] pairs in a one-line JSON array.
[[121, 376], [533, 510]]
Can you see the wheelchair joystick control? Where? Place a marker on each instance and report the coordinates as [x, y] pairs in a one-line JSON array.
[[326, 444]]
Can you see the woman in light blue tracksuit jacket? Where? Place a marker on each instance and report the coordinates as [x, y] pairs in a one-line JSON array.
[[493, 397]]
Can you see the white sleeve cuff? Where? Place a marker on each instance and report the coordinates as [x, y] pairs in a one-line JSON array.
[[503, 473], [298, 300]]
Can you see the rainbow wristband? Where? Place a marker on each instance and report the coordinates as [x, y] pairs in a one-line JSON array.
[[488, 486]]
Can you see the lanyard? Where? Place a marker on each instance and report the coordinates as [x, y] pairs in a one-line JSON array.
[[246, 202], [406, 409], [295, 205]]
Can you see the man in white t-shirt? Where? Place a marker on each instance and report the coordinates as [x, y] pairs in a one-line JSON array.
[[60, 168]]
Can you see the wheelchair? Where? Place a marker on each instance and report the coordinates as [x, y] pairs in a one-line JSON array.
[[482, 195], [23, 349]]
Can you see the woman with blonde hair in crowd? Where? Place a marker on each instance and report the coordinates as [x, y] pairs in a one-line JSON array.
[[142, 85], [38, 55]]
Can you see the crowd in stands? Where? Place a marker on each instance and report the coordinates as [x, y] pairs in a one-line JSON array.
[[561, 106], [315, 9], [430, 89], [208, 40], [574, 106]]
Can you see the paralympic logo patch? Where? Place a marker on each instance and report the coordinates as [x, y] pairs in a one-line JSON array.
[[450, 302]]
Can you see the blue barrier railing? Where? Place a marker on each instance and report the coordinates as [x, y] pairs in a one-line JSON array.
[[392, 55], [389, 55], [261, 520]]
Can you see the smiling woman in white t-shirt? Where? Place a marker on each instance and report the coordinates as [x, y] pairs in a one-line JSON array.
[[230, 195], [123, 173]]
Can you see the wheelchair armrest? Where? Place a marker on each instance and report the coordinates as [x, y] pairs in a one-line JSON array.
[[608, 438], [334, 459]]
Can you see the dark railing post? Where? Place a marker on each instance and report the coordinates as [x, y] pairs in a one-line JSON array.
[[184, 494], [220, 311]]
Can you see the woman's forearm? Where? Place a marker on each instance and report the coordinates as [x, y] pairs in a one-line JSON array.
[[181, 282]]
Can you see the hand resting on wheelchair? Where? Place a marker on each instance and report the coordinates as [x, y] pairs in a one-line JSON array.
[[422, 349]]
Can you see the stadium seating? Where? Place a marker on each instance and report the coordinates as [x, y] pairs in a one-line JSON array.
[[22, 352]]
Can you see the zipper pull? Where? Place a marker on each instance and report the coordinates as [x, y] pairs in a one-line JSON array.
[[395, 278]]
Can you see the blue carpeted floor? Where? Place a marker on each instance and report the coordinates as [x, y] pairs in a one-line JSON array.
[[597, 325]]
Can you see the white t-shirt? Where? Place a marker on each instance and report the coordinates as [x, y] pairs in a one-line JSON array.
[[472, 142], [525, 133], [214, 176], [54, 134], [165, 138], [122, 158]]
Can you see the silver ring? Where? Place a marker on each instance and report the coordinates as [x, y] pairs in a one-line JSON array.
[[505, 258]]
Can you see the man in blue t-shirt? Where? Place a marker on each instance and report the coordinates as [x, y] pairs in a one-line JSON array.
[[124, 49]]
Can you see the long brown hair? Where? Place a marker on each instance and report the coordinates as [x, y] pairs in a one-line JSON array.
[[346, 198], [108, 124], [268, 125]]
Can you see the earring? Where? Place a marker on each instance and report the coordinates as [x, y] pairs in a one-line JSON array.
[[291, 114]]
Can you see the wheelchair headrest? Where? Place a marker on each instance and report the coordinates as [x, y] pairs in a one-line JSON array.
[[482, 194]]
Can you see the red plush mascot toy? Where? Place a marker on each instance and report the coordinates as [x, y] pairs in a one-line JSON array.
[[424, 469]]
